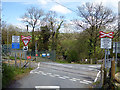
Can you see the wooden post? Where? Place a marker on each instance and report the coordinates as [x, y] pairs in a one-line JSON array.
[[91, 61], [113, 68], [105, 73], [112, 72], [29, 62], [20, 60], [18, 55], [102, 74]]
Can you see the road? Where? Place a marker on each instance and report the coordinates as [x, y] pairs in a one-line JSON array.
[[62, 75]]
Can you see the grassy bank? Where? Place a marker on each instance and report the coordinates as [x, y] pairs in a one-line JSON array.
[[10, 73]]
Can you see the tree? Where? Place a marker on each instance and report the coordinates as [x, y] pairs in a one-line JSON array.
[[44, 37], [32, 17], [94, 17], [54, 24]]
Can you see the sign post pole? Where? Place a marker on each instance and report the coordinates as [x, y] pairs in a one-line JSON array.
[[105, 44], [25, 42], [115, 56]]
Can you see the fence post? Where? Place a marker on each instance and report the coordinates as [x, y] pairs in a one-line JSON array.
[[20, 60], [113, 68]]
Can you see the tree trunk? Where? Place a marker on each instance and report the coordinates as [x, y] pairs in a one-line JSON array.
[[33, 42]]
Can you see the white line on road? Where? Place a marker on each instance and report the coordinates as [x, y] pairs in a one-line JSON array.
[[43, 73], [62, 77], [48, 87], [72, 79], [49, 73], [97, 76], [84, 82], [66, 77], [87, 81], [56, 75]]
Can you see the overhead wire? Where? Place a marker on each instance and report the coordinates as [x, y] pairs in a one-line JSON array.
[[64, 6]]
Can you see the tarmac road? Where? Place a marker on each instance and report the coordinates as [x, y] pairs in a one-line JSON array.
[[62, 75]]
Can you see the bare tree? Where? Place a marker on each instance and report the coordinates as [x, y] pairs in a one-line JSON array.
[[54, 24], [94, 18], [32, 17]]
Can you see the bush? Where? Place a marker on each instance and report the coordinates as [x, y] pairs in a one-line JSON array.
[[72, 56], [10, 73], [7, 74]]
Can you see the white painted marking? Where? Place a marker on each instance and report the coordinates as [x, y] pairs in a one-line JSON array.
[[66, 77], [31, 71], [40, 71], [49, 73], [87, 81], [56, 75], [84, 82], [39, 64], [48, 87], [72, 79], [78, 79], [36, 72], [43, 73], [62, 77], [97, 76]]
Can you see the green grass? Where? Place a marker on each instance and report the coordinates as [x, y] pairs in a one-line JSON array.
[[10, 73], [61, 61], [13, 58]]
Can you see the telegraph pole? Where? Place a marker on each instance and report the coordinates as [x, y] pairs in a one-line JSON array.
[[0, 47], [118, 18]]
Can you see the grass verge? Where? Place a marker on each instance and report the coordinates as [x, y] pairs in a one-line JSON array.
[[10, 73]]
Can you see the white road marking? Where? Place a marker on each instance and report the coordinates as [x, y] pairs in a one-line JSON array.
[[39, 64], [36, 72], [87, 81], [43, 73], [31, 71], [77, 79], [62, 77], [66, 77], [72, 79], [49, 73], [40, 71], [84, 82], [48, 87], [97, 76], [56, 75]]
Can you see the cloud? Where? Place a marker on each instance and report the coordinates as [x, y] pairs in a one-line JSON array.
[[60, 9]]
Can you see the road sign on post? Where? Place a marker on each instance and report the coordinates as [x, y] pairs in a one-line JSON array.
[[103, 34], [15, 42], [25, 48], [15, 45], [106, 43], [25, 40]]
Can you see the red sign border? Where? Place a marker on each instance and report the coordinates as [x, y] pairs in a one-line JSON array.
[[25, 39], [105, 33]]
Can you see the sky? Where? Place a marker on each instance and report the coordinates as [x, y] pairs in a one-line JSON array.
[[12, 10]]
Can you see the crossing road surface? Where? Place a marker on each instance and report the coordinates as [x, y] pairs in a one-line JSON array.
[[62, 75]]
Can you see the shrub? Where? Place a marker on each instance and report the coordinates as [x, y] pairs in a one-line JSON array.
[[72, 56]]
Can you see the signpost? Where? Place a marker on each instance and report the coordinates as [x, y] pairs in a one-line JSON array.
[[25, 42], [106, 44], [15, 45]]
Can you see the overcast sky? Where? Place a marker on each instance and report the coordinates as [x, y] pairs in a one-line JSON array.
[[12, 10]]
